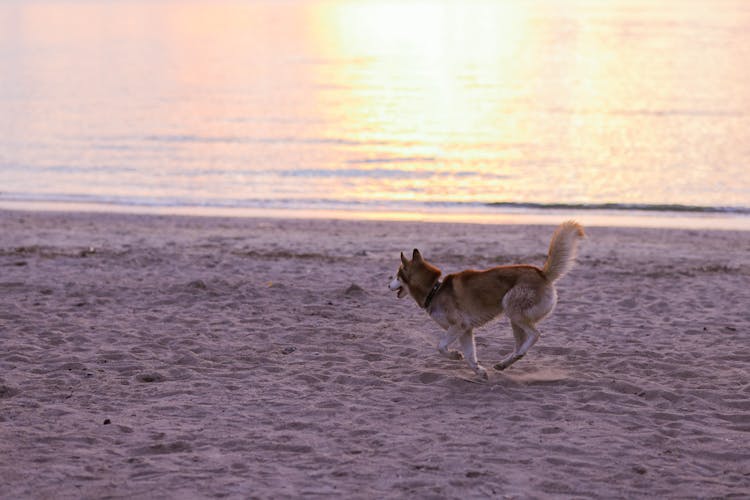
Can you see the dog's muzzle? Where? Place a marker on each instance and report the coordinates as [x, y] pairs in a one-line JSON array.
[[397, 286]]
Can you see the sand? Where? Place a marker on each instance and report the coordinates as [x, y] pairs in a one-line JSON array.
[[182, 357]]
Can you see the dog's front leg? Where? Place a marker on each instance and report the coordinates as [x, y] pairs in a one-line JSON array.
[[470, 353], [449, 336]]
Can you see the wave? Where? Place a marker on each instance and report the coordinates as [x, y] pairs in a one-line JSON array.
[[629, 207], [233, 139], [362, 205], [406, 159]]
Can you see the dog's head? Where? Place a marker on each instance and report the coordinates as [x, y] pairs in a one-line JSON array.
[[413, 275]]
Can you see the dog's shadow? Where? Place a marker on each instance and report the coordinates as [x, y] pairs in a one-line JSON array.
[[532, 376], [535, 378]]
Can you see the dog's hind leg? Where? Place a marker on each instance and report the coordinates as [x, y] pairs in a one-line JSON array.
[[520, 336], [526, 336], [449, 336], [470, 353], [532, 335]]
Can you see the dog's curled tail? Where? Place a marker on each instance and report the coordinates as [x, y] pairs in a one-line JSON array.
[[562, 250]]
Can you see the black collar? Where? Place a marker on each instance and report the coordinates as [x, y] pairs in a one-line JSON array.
[[431, 295]]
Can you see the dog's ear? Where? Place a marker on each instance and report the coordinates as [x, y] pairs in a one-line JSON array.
[[404, 260], [416, 256]]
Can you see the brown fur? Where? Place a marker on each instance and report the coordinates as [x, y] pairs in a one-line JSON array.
[[469, 299]]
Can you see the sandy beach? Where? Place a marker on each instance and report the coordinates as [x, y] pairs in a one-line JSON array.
[[187, 357]]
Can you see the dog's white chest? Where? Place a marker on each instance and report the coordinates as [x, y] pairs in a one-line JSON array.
[[438, 315]]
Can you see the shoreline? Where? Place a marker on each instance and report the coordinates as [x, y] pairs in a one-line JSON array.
[[486, 216], [176, 356]]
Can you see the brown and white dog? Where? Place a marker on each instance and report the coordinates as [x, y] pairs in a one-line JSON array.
[[469, 299]]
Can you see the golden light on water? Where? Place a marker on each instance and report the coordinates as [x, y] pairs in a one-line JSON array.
[[449, 87], [575, 96], [416, 78]]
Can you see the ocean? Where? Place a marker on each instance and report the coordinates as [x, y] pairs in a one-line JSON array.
[[484, 110]]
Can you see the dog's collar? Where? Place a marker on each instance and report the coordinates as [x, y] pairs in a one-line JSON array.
[[431, 295]]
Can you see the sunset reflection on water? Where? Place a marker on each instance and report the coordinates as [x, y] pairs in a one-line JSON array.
[[362, 104]]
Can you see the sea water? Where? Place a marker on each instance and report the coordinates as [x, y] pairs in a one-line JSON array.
[[370, 108]]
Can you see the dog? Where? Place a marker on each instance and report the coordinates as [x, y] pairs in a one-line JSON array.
[[469, 299]]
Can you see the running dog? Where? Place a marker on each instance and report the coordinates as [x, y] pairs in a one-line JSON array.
[[470, 299]]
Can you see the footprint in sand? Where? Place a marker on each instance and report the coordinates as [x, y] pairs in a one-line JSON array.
[[7, 392], [429, 377], [150, 377]]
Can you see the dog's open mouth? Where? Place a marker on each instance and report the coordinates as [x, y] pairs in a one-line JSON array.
[[397, 287]]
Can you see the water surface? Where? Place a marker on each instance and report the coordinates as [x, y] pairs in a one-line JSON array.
[[377, 106]]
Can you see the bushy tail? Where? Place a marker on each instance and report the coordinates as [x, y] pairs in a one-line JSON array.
[[562, 250]]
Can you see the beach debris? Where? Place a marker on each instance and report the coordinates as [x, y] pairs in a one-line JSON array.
[[87, 251], [354, 290], [198, 284], [26, 250]]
